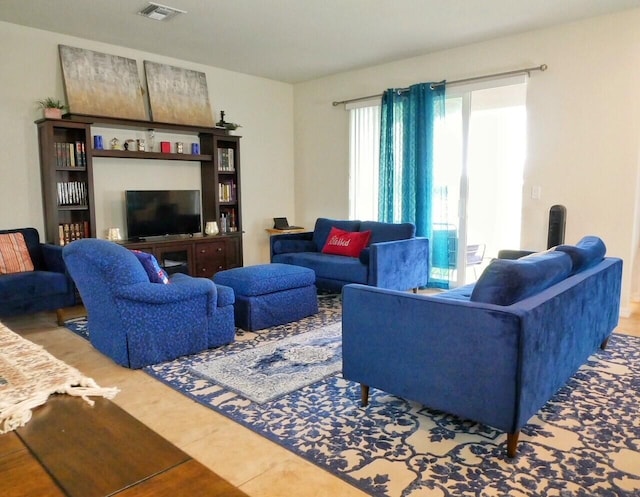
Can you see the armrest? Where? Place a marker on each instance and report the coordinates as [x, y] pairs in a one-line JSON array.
[[178, 290], [291, 242], [52, 255], [399, 264]]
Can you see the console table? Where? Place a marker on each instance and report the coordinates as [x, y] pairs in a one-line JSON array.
[[72, 449]]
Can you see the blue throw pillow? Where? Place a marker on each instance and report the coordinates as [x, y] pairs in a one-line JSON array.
[[506, 281], [150, 264], [584, 254]]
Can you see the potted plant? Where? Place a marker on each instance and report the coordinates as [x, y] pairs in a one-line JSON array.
[[52, 108]]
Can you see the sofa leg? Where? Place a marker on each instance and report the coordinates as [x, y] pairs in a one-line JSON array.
[[414, 290], [604, 343], [512, 444], [60, 317], [364, 395]]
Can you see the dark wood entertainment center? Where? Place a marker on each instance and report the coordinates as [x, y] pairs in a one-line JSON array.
[[66, 162]]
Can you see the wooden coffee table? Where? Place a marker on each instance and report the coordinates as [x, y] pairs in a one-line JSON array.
[[70, 448]]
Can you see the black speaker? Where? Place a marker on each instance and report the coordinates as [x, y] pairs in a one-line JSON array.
[[557, 221]]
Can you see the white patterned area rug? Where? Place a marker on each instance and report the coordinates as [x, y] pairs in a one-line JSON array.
[[29, 375], [265, 373], [584, 442]]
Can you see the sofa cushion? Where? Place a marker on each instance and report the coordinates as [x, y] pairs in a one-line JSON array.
[[32, 285], [347, 243], [296, 245], [323, 227], [586, 253], [461, 293], [388, 232], [152, 268], [14, 255], [327, 266], [506, 281]]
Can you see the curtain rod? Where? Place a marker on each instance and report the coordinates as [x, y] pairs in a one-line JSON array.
[[526, 70]]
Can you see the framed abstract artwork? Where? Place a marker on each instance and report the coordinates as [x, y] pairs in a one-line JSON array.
[[100, 84], [178, 96]]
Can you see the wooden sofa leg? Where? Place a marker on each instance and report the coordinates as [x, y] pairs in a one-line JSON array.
[[60, 317], [512, 444], [604, 343], [364, 395]]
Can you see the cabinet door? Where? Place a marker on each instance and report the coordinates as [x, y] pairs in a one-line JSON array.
[[210, 258], [175, 258], [234, 252]]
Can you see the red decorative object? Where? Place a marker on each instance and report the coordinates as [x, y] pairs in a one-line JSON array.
[[165, 147], [349, 243]]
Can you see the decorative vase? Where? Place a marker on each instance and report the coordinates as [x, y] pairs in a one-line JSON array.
[[51, 113], [211, 228]]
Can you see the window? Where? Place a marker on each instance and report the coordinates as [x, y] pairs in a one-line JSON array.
[[480, 150], [364, 151]]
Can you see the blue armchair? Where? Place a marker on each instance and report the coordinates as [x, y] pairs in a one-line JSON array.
[[48, 287], [137, 322]]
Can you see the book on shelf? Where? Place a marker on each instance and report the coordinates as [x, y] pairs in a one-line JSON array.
[[71, 193], [227, 191], [226, 160], [81, 159], [69, 232], [70, 154]]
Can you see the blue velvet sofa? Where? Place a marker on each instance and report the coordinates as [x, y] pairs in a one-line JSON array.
[[48, 287], [137, 322], [494, 352], [395, 257]]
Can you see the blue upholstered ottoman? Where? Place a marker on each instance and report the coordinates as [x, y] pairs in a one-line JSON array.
[[270, 294]]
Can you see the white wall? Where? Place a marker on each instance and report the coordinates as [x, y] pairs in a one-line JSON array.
[[583, 128], [30, 70]]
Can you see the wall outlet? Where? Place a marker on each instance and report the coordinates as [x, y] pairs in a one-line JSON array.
[[536, 191]]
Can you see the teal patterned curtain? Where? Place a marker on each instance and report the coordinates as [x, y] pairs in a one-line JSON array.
[[406, 185]]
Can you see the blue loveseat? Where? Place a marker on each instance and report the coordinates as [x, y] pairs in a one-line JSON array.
[[494, 352], [48, 287], [395, 257]]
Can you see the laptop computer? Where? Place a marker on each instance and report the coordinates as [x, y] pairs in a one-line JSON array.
[[281, 223]]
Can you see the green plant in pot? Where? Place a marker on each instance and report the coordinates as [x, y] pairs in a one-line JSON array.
[[52, 108]]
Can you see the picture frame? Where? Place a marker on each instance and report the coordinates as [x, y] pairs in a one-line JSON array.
[[177, 96], [100, 84]]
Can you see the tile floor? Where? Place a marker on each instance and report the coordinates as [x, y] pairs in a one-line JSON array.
[[259, 467]]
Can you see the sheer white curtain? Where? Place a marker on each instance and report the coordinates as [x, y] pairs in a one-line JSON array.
[[364, 154]]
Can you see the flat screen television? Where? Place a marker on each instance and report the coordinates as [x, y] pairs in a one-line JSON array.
[[155, 213]]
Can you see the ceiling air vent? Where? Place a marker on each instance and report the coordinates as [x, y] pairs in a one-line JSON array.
[[159, 12]]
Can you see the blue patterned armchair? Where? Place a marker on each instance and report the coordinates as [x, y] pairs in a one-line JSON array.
[[137, 322]]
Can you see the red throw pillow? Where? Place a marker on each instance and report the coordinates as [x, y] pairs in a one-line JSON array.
[[14, 254], [349, 243]]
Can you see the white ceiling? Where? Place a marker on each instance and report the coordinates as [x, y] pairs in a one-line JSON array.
[[300, 40]]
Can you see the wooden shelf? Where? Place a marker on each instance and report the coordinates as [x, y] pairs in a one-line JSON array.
[[135, 124], [73, 207], [76, 128], [131, 154]]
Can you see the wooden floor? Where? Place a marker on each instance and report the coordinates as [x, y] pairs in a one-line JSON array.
[[250, 462]]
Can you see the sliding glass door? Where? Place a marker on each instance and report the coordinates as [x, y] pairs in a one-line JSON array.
[[480, 154]]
